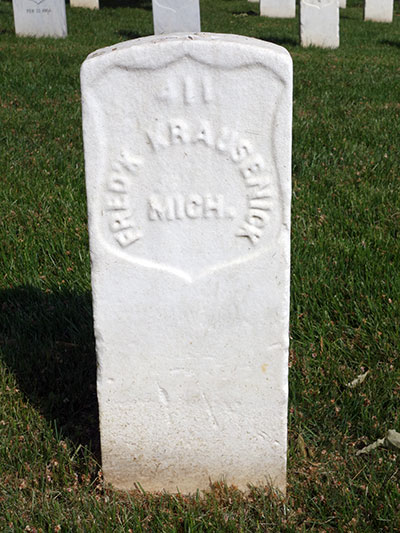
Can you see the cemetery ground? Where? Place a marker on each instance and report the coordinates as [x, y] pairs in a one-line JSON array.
[[345, 292]]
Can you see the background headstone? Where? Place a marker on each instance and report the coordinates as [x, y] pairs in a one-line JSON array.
[[378, 10], [278, 8], [90, 4], [319, 23], [40, 18], [188, 186], [171, 16], [342, 3]]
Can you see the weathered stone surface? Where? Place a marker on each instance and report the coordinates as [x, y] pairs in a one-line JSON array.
[[278, 8], [90, 4], [40, 18], [171, 16], [319, 23], [378, 10], [188, 185]]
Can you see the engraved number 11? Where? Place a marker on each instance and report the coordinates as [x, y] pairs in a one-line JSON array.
[[188, 90]]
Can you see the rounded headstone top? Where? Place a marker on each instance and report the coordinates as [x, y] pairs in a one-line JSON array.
[[179, 38]]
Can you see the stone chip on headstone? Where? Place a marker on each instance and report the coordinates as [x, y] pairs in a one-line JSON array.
[[170, 16], [90, 4], [378, 10], [278, 8], [40, 18], [188, 186], [319, 23]]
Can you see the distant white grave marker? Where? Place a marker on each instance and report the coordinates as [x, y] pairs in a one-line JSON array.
[[342, 3], [378, 10], [188, 186], [171, 16], [40, 18], [90, 4], [319, 23], [278, 8]]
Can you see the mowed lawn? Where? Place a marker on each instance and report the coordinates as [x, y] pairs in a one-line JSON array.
[[345, 294]]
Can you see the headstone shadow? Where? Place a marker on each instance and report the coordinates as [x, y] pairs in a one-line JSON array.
[[282, 41], [249, 13], [396, 44], [129, 34], [47, 342], [140, 4], [348, 17]]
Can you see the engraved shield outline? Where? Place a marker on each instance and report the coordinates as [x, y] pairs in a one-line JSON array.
[[319, 4], [202, 48]]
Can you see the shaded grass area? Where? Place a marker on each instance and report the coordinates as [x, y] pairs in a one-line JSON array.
[[344, 299]]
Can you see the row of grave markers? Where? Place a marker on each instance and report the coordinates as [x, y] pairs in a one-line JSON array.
[[319, 19], [374, 10]]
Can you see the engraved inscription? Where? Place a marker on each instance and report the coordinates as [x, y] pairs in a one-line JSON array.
[[44, 10], [259, 199], [251, 166], [37, 10], [121, 219], [179, 207], [187, 90]]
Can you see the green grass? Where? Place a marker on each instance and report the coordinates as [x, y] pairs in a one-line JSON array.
[[344, 302]]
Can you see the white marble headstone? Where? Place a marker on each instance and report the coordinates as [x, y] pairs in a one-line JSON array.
[[40, 18], [171, 16], [342, 3], [278, 8], [188, 186], [378, 10], [90, 4], [319, 23]]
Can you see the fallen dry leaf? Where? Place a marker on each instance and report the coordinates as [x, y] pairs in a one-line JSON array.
[[391, 440], [358, 380], [301, 446]]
